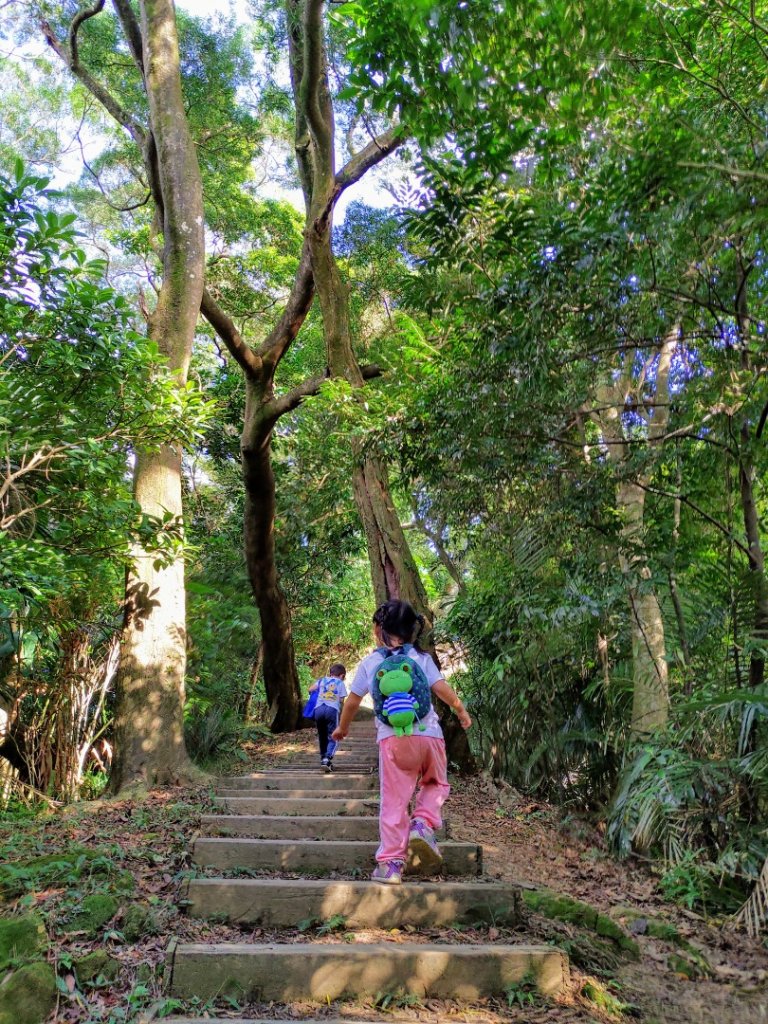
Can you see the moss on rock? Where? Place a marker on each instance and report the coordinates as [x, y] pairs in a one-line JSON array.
[[28, 995], [95, 911], [564, 908], [96, 966], [138, 922], [21, 939]]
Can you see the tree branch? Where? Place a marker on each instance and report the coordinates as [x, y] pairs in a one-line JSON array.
[[372, 154], [248, 360], [314, 79], [699, 511], [295, 313], [70, 58], [311, 386], [132, 31], [74, 28]]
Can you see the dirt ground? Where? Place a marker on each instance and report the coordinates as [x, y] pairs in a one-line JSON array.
[[530, 842], [523, 841]]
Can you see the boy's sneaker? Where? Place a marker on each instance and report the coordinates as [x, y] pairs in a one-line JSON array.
[[388, 872], [324, 762], [328, 763], [423, 845]]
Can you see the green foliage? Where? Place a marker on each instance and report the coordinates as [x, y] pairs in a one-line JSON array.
[[523, 993], [210, 731], [90, 388]]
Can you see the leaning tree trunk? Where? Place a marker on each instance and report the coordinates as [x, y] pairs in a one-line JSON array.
[[393, 568], [149, 735]]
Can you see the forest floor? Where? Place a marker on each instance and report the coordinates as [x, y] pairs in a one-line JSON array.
[[107, 876]]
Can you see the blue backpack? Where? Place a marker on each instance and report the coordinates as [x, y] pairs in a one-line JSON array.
[[401, 693]]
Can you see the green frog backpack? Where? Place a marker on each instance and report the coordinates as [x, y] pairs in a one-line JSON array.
[[402, 696]]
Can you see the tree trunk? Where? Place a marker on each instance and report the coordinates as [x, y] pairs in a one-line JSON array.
[[747, 491], [650, 700], [149, 737], [650, 696], [281, 680], [149, 721], [393, 568]]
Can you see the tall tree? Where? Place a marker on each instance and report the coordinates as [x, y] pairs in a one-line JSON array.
[[393, 569], [149, 722]]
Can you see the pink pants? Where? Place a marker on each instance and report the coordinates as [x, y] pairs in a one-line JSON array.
[[405, 761]]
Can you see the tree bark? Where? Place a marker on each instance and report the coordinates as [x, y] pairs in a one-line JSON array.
[[749, 509], [650, 676], [393, 569], [149, 725], [281, 680]]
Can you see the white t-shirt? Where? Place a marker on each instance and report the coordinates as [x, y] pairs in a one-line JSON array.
[[364, 678], [331, 691]]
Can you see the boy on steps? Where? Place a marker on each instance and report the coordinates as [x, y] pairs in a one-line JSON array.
[[331, 692]]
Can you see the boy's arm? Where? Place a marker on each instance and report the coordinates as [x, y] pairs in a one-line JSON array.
[[351, 704], [313, 687], [453, 700]]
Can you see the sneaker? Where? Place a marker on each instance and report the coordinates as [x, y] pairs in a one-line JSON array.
[[388, 872], [324, 762], [328, 763], [423, 845]]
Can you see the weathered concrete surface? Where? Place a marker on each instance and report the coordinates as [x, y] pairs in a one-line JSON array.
[[281, 903], [331, 971], [264, 826], [317, 855], [321, 783], [353, 793], [289, 805]]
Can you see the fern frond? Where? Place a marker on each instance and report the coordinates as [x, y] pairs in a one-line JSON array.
[[753, 915]]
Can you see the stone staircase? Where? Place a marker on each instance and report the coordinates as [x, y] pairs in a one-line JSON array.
[[297, 822]]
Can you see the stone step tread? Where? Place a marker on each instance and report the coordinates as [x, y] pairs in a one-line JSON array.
[[276, 902], [230, 853], [351, 793], [298, 826], [245, 780], [289, 806], [328, 971]]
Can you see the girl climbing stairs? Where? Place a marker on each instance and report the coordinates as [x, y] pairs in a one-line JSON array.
[[267, 857]]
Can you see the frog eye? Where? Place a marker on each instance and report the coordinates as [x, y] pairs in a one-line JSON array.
[[380, 674], [405, 668]]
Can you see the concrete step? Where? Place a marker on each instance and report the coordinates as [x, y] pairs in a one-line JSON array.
[[299, 781], [323, 805], [339, 758], [318, 855], [281, 903], [341, 793], [360, 764], [311, 771], [325, 971], [264, 826]]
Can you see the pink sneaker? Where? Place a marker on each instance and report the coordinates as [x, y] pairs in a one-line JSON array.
[[388, 872], [423, 845]]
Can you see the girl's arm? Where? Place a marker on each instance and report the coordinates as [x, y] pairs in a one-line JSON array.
[[453, 700], [351, 704]]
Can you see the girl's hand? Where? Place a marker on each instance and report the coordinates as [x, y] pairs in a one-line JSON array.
[[465, 720], [338, 734]]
